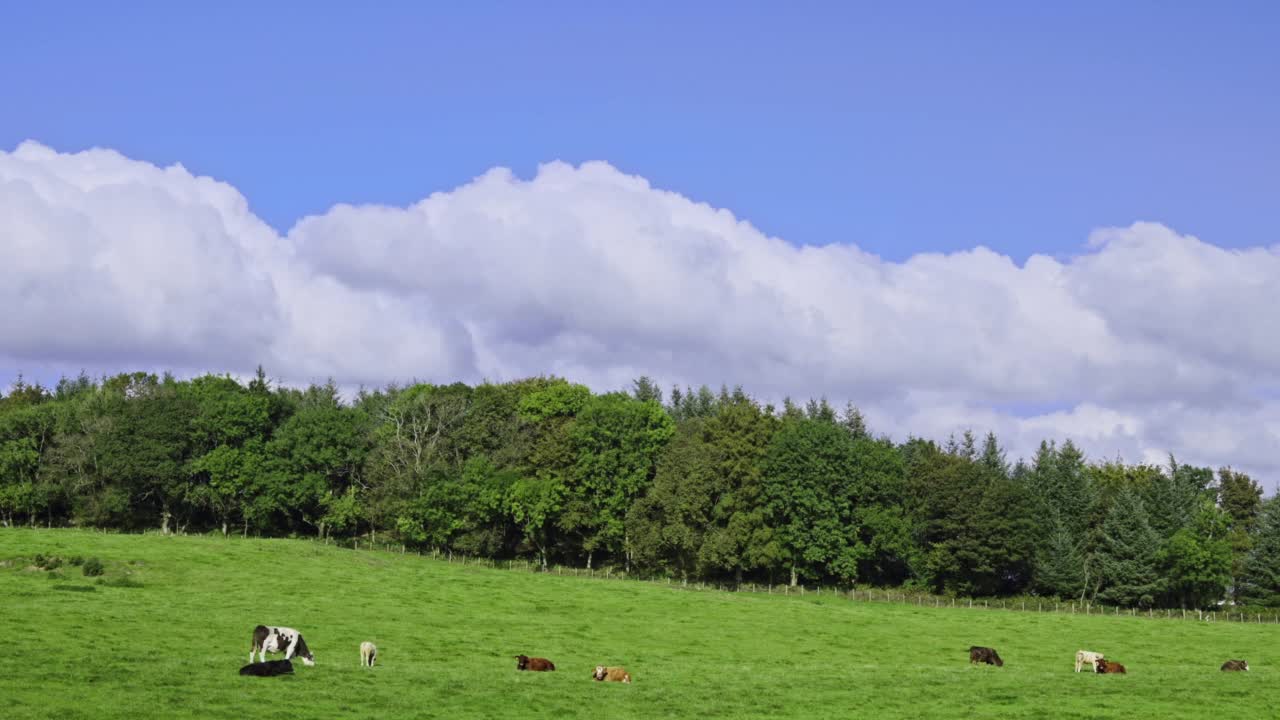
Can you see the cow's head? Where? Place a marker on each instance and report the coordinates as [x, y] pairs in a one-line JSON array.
[[1244, 664], [999, 662], [600, 673], [522, 662], [308, 659]]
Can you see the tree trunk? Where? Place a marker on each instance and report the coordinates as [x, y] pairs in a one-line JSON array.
[[245, 531], [737, 576], [224, 527], [794, 580], [589, 554], [164, 520]]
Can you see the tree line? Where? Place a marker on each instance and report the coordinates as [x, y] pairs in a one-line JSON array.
[[701, 485]]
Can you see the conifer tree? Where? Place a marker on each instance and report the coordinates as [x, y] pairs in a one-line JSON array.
[[1261, 579], [1128, 554]]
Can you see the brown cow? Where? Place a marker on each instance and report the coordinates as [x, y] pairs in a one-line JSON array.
[[1107, 667], [524, 662], [979, 654], [1235, 665], [611, 674]]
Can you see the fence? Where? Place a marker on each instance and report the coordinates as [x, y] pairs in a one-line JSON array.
[[853, 594]]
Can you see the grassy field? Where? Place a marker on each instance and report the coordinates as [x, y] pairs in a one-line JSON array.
[[170, 646]]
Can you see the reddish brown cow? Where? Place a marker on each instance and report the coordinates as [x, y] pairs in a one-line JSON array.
[[1107, 667], [1235, 666], [536, 664]]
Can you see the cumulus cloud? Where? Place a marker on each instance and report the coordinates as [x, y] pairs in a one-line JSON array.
[[1145, 342]]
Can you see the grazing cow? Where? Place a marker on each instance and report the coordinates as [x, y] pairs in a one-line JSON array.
[[535, 664], [268, 668], [1235, 666], [1106, 667], [611, 674], [1085, 657], [979, 654], [368, 653], [271, 639]]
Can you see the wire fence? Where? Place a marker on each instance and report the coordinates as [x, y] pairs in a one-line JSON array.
[[854, 594]]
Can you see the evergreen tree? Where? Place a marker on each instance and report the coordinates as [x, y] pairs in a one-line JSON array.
[[1128, 554], [993, 457], [1241, 499], [644, 389], [1260, 581], [969, 446], [1060, 570], [854, 422]]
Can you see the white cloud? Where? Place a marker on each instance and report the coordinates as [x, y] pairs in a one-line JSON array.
[[1147, 341]]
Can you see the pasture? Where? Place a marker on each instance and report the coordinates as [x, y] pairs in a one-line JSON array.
[[166, 627]]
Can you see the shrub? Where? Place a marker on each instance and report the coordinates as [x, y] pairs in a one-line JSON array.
[[76, 560], [92, 567], [48, 562]]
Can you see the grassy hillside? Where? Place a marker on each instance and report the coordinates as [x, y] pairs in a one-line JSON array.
[[171, 645]]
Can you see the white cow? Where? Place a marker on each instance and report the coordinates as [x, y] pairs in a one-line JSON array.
[[272, 639], [368, 653], [1086, 657]]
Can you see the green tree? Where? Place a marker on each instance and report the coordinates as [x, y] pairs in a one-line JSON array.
[[808, 487], [1241, 499], [314, 456], [1260, 580], [1060, 570], [1128, 554], [615, 444], [1196, 562]]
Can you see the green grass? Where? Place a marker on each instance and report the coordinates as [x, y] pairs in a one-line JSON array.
[[164, 630]]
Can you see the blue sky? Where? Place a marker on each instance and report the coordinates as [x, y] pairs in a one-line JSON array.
[[1135, 144], [901, 127]]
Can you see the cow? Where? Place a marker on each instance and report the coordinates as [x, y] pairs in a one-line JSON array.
[[1235, 666], [368, 653], [611, 674], [1086, 657], [979, 654], [271, 639], [1106, 667], [268, 669], [534, 664]]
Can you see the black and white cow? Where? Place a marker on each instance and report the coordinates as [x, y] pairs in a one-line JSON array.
[[271, 639]]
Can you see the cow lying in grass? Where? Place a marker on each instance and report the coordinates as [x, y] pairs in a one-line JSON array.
[[269, 668], [1235, 666], [611, 674], [368, 653], [979, 654], [535, 664], [1106, 667], [271, 639]]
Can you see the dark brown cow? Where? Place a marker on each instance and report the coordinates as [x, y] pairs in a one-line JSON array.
[[1235, 666], [524, 662], [979, 654], [1107, 667]]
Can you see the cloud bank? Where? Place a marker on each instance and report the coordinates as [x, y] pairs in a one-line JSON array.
[[1147, 341]]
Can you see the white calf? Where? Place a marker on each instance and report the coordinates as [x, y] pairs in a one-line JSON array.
[[1086, 657], [368, 653]]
